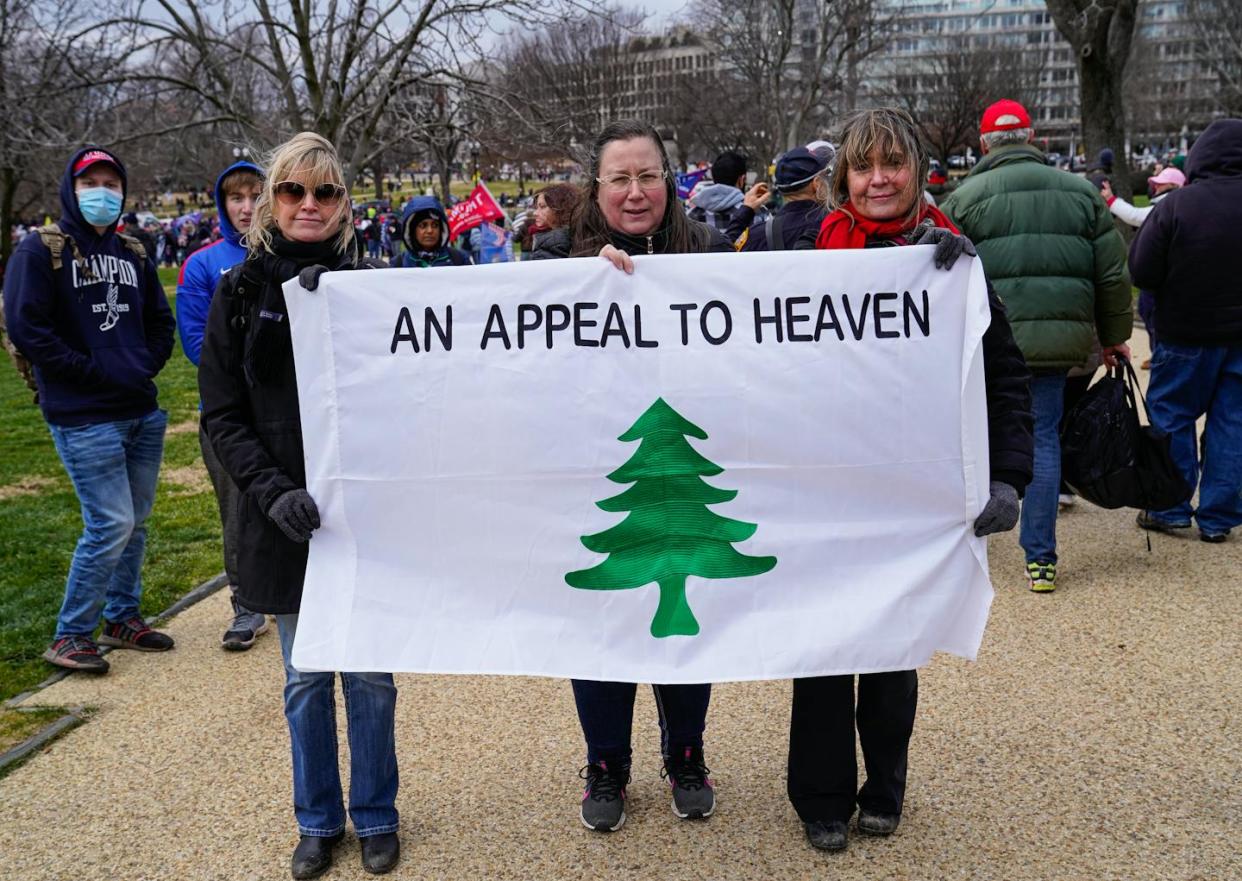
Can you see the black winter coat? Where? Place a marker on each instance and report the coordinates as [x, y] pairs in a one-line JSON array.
[[1186, 252], [251, 416], [558, 243], [797, 219]]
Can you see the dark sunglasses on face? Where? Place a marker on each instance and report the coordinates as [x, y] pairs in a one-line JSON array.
[[293, 193]]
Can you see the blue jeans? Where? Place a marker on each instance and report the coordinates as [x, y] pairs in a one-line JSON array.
[[114, 467], [310, 708], [1038, 531], [1186, 383], [606, 711]]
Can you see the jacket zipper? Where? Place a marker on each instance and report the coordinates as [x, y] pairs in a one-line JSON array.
[[650, 247]]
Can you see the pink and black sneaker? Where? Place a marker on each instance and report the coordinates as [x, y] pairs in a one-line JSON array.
[[76, 653], [693, 795], [603, 800], [133, 633]]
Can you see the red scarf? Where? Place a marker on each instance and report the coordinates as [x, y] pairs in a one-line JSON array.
[[845, 228]]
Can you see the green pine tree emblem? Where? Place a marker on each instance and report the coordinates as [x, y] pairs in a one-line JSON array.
[[669, 533]]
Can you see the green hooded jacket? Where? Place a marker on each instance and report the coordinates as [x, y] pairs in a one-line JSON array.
[[1049, 246]]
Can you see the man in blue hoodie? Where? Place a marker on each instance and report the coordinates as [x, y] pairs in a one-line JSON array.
[[424, 231], [722, 205], [237, 188], [90, 315]]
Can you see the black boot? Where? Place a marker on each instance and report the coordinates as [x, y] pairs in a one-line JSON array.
[[313, 855], [380, 852]]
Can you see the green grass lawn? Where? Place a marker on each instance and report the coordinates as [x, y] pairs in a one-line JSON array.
[[40, 521]]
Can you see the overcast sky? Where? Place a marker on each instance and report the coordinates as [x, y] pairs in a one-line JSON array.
[[661, 10]]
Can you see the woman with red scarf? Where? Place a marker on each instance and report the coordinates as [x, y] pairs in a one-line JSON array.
[[875, 200]]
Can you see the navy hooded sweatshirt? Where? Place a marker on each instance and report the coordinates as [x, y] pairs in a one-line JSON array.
[[419, 208], [203, 269], [1186, 252], [98, 337]]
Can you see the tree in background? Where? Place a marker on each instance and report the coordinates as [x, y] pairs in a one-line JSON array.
[[1101, 33]]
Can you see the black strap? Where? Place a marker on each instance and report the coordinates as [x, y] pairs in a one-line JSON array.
[[773, 227]]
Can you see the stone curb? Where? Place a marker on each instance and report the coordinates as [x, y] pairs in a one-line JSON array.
[[76, 715], [204, 590]]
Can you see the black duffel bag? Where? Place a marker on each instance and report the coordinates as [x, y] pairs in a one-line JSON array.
[[1109, 458]]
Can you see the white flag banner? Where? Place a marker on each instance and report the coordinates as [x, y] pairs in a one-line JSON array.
[[721, 467]]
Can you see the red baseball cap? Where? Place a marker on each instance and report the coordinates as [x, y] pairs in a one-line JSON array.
[[1004, 115], [93, 156]]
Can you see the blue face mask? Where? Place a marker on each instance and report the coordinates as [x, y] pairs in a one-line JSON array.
[[100, 205]]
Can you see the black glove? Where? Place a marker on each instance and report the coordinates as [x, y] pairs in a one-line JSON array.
[[309, 277], [295, 513], [1000, 514], [949, 246]]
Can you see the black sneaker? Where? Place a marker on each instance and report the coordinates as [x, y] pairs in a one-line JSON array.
[[76, 653], [693, 795], [134, 633], [603, 800], [1213, 538], [246, 627]]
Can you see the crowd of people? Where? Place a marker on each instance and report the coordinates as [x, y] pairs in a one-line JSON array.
[[85, 308]]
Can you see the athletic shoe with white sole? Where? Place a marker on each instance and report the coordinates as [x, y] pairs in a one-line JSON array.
[[693, 795], [1042, 577], [603, 800]]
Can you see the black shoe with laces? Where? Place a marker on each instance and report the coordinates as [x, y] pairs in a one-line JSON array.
[[603, 800], [693, 795], [76, 653]]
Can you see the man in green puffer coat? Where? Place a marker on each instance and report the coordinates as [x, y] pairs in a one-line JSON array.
[[1049, 247]]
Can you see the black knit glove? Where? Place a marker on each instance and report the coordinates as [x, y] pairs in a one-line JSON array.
[[296, 514], [949, 246], [1000, 514], [309, 277]]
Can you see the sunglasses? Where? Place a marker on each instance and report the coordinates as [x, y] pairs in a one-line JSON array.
[[293, 193]]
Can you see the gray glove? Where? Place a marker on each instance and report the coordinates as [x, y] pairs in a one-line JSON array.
[[309, 277], [1000, 514], [296, 515], [949, 246]]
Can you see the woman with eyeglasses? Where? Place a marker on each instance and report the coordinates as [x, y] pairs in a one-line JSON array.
[[630, 207], [301, 228]]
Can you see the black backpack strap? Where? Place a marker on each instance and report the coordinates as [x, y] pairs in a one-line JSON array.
[[774, 226]]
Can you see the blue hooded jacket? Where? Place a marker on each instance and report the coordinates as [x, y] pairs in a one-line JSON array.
[[202, 271], [96, 336], [415, 256]]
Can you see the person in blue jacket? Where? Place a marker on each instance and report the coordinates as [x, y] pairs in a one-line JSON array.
[[88, 312], [424, 231], [237, 188]]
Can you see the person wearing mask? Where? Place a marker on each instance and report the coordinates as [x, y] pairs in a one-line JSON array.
[[875, 201], [237, 188], [85, 307], [424, 232], [630, 207], [300, 228], [800, 181]]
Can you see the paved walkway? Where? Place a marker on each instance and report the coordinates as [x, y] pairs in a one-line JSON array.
[[1097, 737]]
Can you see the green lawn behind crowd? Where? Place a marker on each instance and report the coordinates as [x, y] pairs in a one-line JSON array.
[[40, 521]]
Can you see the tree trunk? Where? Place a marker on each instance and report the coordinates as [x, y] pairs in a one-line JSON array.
[[673, 616], [1103, 114], [378, 166], [8, 192]]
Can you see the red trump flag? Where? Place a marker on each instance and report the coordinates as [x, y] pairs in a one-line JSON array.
[[478, 207]]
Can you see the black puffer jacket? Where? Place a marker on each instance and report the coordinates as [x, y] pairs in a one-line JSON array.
[[559, 243], [251, 415], [1187, 253]]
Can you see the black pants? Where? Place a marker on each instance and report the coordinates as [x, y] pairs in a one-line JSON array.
[[606, 711], [823, 772]]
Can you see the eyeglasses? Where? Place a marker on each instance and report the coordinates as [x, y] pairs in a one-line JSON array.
[[293, 193], [621, 183]]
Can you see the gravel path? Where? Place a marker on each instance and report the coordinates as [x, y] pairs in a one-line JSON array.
[[1097, 737]]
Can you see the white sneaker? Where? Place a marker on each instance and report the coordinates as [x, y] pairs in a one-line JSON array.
[[1065, 500]]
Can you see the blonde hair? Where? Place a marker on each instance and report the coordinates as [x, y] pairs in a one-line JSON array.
[[314, 161], [889, 130]]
